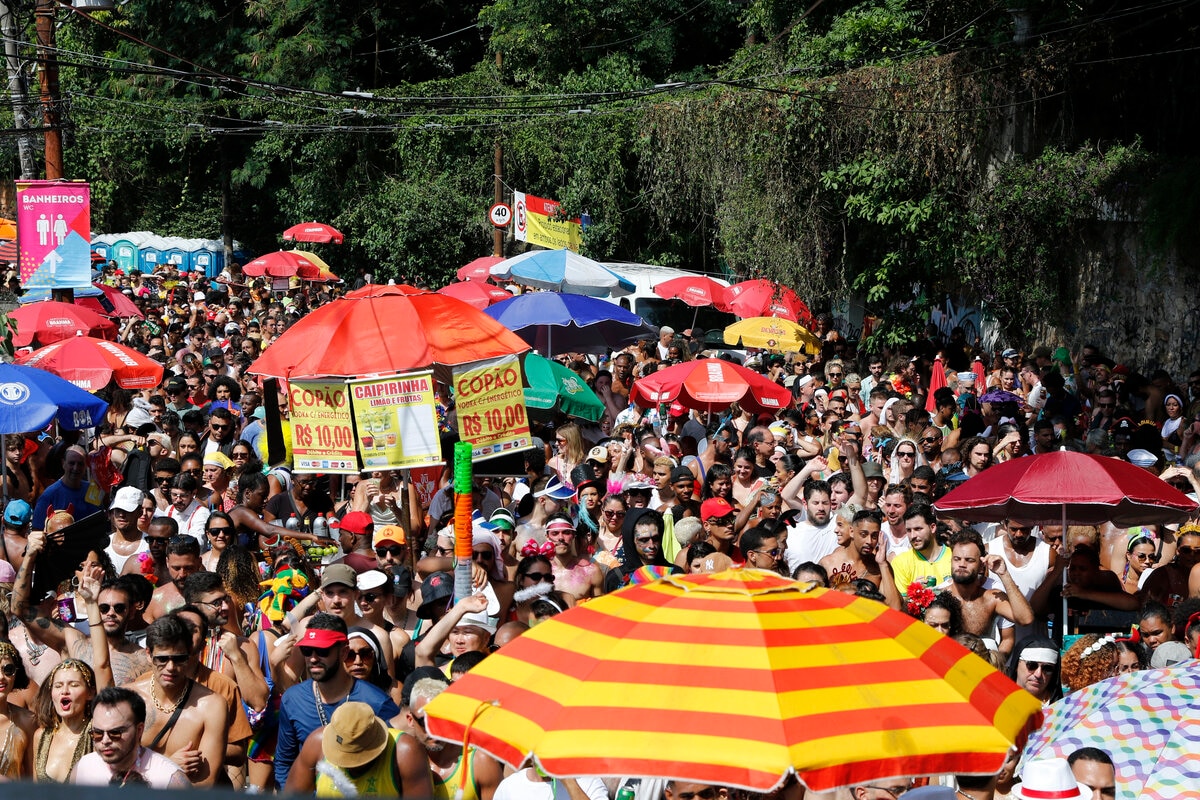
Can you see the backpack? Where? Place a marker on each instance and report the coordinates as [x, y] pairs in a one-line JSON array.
[[136, 469]]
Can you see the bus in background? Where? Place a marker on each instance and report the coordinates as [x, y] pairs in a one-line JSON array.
[[657, 311]]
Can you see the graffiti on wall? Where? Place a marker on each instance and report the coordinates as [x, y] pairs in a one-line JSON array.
[[972, 319]]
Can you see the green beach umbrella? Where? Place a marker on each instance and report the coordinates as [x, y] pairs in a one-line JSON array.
[[551, 385]]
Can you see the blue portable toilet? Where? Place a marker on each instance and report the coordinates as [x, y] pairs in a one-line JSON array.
[[101, 250], [209, 258], [149, 257], [125, 253]]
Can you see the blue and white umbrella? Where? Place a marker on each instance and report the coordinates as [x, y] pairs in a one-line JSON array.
[[563, 271], [30, 398], [568, 323]]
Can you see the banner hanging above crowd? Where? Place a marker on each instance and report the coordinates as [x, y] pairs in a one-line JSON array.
[[536, 220], [54, 231]]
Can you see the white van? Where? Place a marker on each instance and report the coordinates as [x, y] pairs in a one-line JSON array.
[[657, 311]]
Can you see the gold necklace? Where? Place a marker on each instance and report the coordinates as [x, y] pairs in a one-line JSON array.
[[159, 706]]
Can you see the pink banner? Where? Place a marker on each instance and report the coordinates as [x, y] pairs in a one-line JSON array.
[[54, 233]]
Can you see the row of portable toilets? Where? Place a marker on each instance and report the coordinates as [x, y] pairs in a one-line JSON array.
[[144, 251]]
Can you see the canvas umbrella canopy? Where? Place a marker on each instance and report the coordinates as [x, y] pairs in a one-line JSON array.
[[1147, 720], [282, 264], [772, 333], [694, 290], [709, 384], [563, 271], [313, 232], [763, 298], [553, 386], [480, 269], [8, 251], [736, 678], [91, 363], [1067, 488], [51, 321], [396, 329], [111, 302], [476, 293], [569, 323]]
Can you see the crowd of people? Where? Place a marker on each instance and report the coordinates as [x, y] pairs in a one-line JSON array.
[[183, 610]]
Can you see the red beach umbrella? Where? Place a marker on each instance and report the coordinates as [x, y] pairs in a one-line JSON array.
[[478, 270], [475, 293], [695, 290], [313, 232], [49, 321], [710, 384], [91, 363], [763, 298]]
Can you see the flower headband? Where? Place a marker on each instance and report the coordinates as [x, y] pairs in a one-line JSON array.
[[1098, 645]]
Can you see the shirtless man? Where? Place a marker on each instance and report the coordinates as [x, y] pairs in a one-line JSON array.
[[445, 759], [858, 556], [183, 559], [196, 740], [980, 605], [160, 531], [116, 605], [550, 497], [573, 573]]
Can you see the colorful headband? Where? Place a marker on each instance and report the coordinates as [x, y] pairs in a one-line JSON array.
[[82, 667]]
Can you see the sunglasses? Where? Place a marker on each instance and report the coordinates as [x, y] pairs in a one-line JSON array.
[[1142, 556], [366, 654], [99, 735], [9, 670], [906, 454], [117, 608], [1035, 666], [178, 659], [224, 531], [319, 652], [395, 550], [543, 577], [370, 597], [614, 514], [164, 478], [161, 540], [930, 439]]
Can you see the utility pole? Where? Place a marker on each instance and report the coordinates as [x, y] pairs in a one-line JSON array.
[[498, 188], [48, 85], [16, 91]]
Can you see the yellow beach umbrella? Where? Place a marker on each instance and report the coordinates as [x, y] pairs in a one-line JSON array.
[[737, 678], [772, 333]]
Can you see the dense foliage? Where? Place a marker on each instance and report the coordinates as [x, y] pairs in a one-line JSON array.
[[891, 150]]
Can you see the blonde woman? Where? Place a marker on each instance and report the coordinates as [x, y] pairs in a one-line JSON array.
[[570, 452]]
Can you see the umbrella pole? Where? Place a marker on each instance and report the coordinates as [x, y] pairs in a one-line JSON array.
[[4, 478], [1065, 619]]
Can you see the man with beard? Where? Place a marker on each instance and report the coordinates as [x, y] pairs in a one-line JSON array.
[[982, 604], [860, 556], [226, 651], [339, 596], [814, 538], [184, 721], [119, 759], [450, 774], [925, 558], [1029, 560], [116, 608], [183, 559], [309, 705]]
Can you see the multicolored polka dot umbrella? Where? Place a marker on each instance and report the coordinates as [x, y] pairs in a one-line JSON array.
[[1148, 721], [738, 678]]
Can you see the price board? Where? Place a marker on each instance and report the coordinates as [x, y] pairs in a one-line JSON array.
[[490, 399], [322, 438], [396, 421]]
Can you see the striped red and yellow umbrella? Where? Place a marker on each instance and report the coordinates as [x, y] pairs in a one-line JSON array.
[[737, 678]]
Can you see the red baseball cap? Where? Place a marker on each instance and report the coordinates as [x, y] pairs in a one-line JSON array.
[[357, 522], [715, 507]]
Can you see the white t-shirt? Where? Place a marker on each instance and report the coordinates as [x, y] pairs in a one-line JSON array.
[[807, 542], [518, 786]]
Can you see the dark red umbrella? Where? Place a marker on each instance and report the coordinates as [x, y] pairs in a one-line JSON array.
[[478, 270], [8, 252], [695, 290], [48, 321], [313, 232], [763, 298], [1070, 489], [112, 303], [475, 293], [710, 384]]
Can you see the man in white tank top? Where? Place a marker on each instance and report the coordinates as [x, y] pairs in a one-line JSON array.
[[1029, 559]]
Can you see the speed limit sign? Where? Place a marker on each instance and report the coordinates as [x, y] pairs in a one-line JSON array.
[[500, 215]]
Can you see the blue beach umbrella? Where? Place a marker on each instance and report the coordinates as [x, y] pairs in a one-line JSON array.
[[563, 271], [569, 323], [30, 398]]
